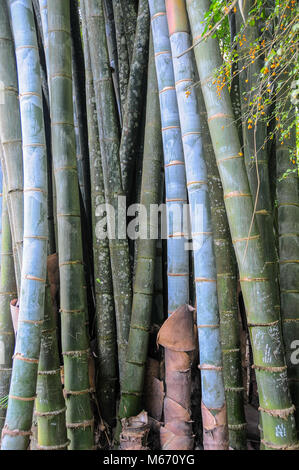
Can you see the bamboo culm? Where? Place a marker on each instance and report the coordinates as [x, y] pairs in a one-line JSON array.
[[8, 292], [134, 100], [75, 346], [258, 288], [49, 404], [227, 294], [213, 394], [105, 313], [114, 196], [17, 429], [132, 392], [11, 137]]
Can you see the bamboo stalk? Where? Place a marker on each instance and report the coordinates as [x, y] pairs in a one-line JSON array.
[[122, 54], [288, 226], [15, 434], [75, 345], [212, 384], [105, 314], [137, 351], [255, 149], [227, 295], [109, 144], [49, 404], [133, 107], [257, 287], [8, 292], [10, 134], [128, 8], [176, 408]]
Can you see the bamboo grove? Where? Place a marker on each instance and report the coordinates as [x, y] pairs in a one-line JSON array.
[[149, 214]]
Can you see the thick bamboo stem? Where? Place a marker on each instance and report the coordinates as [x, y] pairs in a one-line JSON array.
[[213, 394], [257, 286], [8, 292], [15, 434], [11, 137], [75, 345], [109, 144], [105, 314], [137, 351]]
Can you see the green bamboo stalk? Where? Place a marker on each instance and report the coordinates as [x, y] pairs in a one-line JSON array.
[[109, 144], [10, 134], [258, 289], [137, 351], [75, 345], [288, 226], [122, 54], [8, 292], [133, 107], [80, 107], [49, 404], [227, 295], [255, 137], [15, 434], [105, 315]]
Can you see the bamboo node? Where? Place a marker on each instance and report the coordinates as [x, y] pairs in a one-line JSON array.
[[277, 447], [220, 115], [232, 157], [237, 427], [27, 46], [283, 414], [236, 194], [76, 353], [58, 447], [83, 424], [207, 326], [273, 323], [204, 279], [254, 279], [49, 372], [34, 278], [209, 367], [196, 182], [14, 397], [67, 263], [76, 393], [50, 413], [174, 163], [270, 368], [25, 359], [156, 15], [167, 88], [253, 237], [15, 432], [234, 389]]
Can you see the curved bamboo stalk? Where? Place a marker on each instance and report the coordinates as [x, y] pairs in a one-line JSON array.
[[49, 404], [15, 434], [212, 385], [8, 292], [72, 293], [133, 107], [288, 226], [137, 351], [177, 256], [105, 315], [227, 294], [109, 143], [11, 137], [257, 287]]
